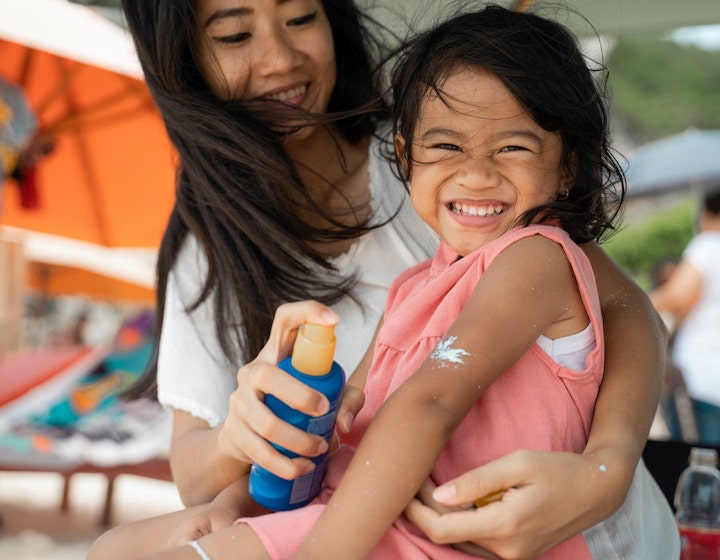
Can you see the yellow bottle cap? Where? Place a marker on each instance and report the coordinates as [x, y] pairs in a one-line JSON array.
[[490, 498], [314, 349]]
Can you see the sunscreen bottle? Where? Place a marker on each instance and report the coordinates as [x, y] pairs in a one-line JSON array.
[[311, 362]]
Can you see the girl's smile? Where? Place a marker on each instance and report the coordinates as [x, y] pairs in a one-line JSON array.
[[479, 161]]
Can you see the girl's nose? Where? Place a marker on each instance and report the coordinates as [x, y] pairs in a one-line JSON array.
[[277, 54], [477, 172]]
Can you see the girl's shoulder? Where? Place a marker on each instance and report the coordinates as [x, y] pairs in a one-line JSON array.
[[543, 231]]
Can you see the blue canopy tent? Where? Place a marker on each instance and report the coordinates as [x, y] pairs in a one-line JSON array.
[[689, 161]]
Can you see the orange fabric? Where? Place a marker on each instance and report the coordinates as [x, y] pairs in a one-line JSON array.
[[52, 280], [110, 179]]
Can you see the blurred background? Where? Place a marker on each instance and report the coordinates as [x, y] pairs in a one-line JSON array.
[[82, 213]]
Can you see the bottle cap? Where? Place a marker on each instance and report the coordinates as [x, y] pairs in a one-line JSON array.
[[314, 349], [703, 456]]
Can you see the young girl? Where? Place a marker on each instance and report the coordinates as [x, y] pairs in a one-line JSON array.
[[496, 343]]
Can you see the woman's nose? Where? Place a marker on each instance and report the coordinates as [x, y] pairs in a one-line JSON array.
[[278, 54]]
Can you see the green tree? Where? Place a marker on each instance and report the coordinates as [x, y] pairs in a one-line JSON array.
[[642, 243], [659, 87]]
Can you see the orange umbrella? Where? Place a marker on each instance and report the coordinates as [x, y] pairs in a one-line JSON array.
[[54, 280], [110, 178]]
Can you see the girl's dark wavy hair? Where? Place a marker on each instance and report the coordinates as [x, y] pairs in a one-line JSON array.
[[237, 190], [538, 60]]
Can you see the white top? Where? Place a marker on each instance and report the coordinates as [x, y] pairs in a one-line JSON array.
[[194, 376], [696, 349]]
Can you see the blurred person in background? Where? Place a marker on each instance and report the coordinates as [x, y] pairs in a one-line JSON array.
[[691, 296]]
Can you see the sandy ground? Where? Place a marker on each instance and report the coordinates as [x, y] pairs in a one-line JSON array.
[[34, 528]]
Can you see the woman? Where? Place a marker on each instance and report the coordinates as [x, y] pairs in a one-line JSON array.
[[274, 205]]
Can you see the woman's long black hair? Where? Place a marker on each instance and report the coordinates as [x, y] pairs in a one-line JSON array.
[[539, 62], [237, 189]]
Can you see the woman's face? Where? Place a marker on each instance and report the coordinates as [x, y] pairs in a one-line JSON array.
[[268, 49]]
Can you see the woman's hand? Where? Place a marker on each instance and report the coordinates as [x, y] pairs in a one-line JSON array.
[[549, 497], [250, 426]]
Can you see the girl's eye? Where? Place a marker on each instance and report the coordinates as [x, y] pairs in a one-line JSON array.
[[233, 39], [445, 146], [303, 19], [512, 149]]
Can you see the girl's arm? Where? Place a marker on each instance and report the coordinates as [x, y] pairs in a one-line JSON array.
[[558, 494], [503, 317]]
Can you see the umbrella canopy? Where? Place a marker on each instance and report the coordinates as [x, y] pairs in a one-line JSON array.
[[686, 161], [110, 179], [53, 266], [62, 266]]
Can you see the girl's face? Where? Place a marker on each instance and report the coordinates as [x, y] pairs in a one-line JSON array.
[[268, 49], [480, 161]]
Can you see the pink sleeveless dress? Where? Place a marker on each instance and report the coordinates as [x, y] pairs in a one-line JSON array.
[[537, 404]]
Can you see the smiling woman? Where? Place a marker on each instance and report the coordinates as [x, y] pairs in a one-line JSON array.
[[260, 50]]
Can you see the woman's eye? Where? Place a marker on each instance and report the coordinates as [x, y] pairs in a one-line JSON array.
[[303, 19]]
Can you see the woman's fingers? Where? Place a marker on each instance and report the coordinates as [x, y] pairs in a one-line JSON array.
[[250, 422], [444, 528], [499, 475], [259, 379], [560, 485], [288, 318]]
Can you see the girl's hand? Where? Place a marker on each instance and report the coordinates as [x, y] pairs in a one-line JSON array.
[[549, 497], [352, 401], [211, 518], [250, 426]]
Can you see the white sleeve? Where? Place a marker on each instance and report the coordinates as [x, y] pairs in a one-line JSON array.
[[193, 374], [702, 253]]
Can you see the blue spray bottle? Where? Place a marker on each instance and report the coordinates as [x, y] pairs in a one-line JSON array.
[[311, 362]]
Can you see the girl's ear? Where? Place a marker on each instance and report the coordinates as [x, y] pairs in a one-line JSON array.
[[400, 153], [567, 179]]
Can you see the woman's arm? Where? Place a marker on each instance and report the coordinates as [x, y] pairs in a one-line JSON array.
[[502, 319], [557, 495], [635, 352]]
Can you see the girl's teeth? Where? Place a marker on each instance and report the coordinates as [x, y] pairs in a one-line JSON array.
[[285, 95], [476, 210]]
